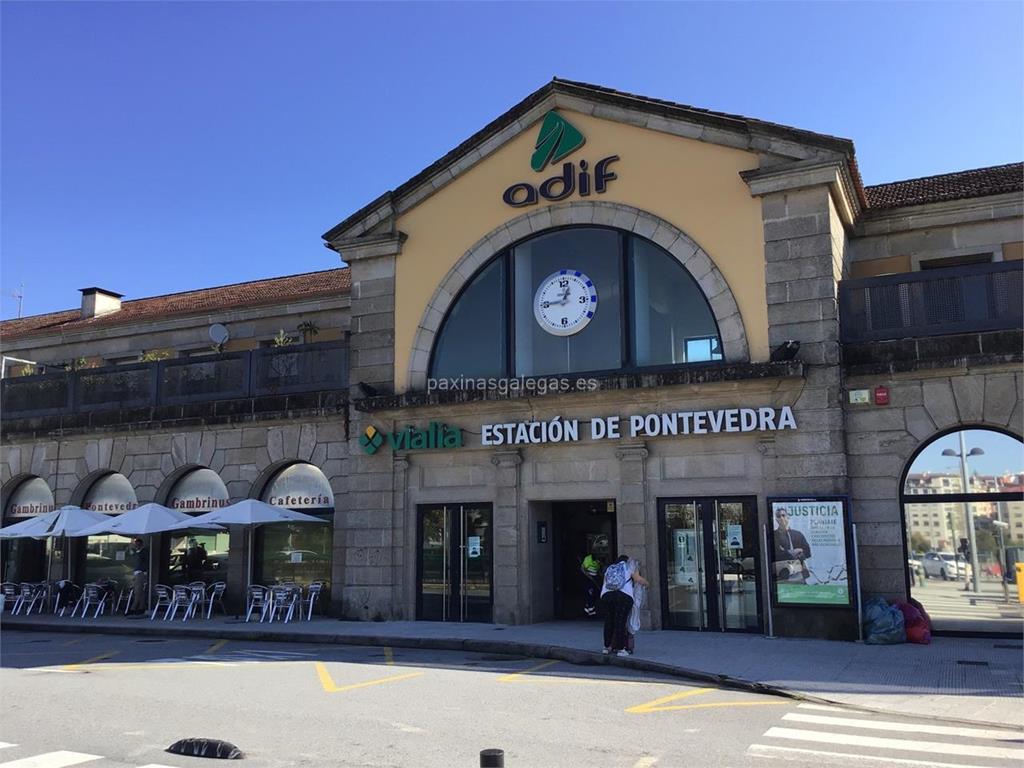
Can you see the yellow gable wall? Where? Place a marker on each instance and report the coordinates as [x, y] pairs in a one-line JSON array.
[[691, 184]]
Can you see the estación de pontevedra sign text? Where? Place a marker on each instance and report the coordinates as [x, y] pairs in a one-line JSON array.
[[675, 423]]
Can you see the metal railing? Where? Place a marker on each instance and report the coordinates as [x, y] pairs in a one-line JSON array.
[[970, 299], [226, 376]]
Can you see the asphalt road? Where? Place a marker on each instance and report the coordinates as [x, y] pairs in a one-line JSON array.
[[103, 701]]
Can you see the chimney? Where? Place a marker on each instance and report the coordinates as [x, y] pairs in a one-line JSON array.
[[97, 302]]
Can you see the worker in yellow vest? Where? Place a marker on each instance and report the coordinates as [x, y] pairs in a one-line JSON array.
[[591, 570]]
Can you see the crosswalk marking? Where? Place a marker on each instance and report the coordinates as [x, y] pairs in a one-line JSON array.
[[51, 760], [885, 725], [155, 765], [901, 745], [767, 750]]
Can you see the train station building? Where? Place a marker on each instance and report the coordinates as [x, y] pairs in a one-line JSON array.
[[603, 324]]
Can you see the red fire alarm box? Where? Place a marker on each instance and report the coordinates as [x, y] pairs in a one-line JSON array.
[[881, 395]]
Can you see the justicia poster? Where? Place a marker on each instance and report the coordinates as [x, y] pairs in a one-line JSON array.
[[809, 551]]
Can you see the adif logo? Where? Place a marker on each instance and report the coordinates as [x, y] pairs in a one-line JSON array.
[[371, 440], [557, 139]]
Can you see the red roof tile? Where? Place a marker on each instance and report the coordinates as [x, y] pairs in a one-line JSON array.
[[275, 290], [979, 182]]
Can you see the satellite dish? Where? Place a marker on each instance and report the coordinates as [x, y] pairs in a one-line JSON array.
[[219, 333]]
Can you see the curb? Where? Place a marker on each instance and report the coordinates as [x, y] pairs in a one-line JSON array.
[[509, 647]]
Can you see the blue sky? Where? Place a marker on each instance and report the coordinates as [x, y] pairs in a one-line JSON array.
[[1002, 455], [152, 147]]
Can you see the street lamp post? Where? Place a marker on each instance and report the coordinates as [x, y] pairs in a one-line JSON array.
[[1001, 526], [968, 513]]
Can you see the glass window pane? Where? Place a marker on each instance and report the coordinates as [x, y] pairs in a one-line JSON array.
[[472, 340], [197, 556], [672, 321], [992, 461], [107, 558], [598, 346], [296, 552]]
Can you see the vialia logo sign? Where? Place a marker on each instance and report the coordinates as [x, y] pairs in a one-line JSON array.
[[434, 435], [558, 138]]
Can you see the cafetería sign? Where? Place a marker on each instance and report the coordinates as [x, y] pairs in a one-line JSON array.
[[559, 430]]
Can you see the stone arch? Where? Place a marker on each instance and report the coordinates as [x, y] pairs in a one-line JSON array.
[[617, 215], [16, 482], [165, 495], [85, 483], [259, 485]]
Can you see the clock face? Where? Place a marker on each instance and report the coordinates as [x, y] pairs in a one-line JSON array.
[[565, 302]]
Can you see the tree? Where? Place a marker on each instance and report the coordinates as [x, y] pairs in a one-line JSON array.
[[919, 543]]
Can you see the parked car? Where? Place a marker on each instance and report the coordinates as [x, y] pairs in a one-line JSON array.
[[942, 565]]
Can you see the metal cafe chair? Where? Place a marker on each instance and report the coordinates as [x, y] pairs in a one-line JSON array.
[[30, 595], [215, 593], [9, 593], [164, 597], [255, 600], [182, 597], [125, 594], [312, 593], [198, 604], [283, 600], [66, 595], [91, 595]]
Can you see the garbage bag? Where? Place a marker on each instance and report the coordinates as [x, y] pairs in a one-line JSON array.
[[917, 622], [883, 623]]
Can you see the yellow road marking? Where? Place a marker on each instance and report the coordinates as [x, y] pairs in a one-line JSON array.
[[173, 665], [216, 646], [513, 677], [389, 656], [658, 705], [93, 660], [76, 641], [646, 762], [655, 706], [330, 686], [728, 704]]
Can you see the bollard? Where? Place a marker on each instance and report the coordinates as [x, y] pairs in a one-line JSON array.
[[492, 758]]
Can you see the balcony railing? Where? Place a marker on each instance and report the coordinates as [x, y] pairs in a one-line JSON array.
[[971, 299], [231, 375]]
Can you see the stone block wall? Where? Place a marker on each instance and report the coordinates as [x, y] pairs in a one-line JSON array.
[[804, 255], [882, 440]]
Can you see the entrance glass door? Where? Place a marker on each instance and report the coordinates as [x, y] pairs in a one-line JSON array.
[[455, 563], [710, 550]]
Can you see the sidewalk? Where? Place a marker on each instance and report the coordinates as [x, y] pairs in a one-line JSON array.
[[969, 680]]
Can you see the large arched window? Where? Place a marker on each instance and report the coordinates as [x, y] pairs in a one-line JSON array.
[[297, 552], [580, 299], [25, 559], [107, 556], [963, 509], [197, 555]]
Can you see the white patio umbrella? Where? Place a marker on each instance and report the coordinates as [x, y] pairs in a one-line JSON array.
[[250, 513], [145, 520], [15, 530], [66, 521]]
